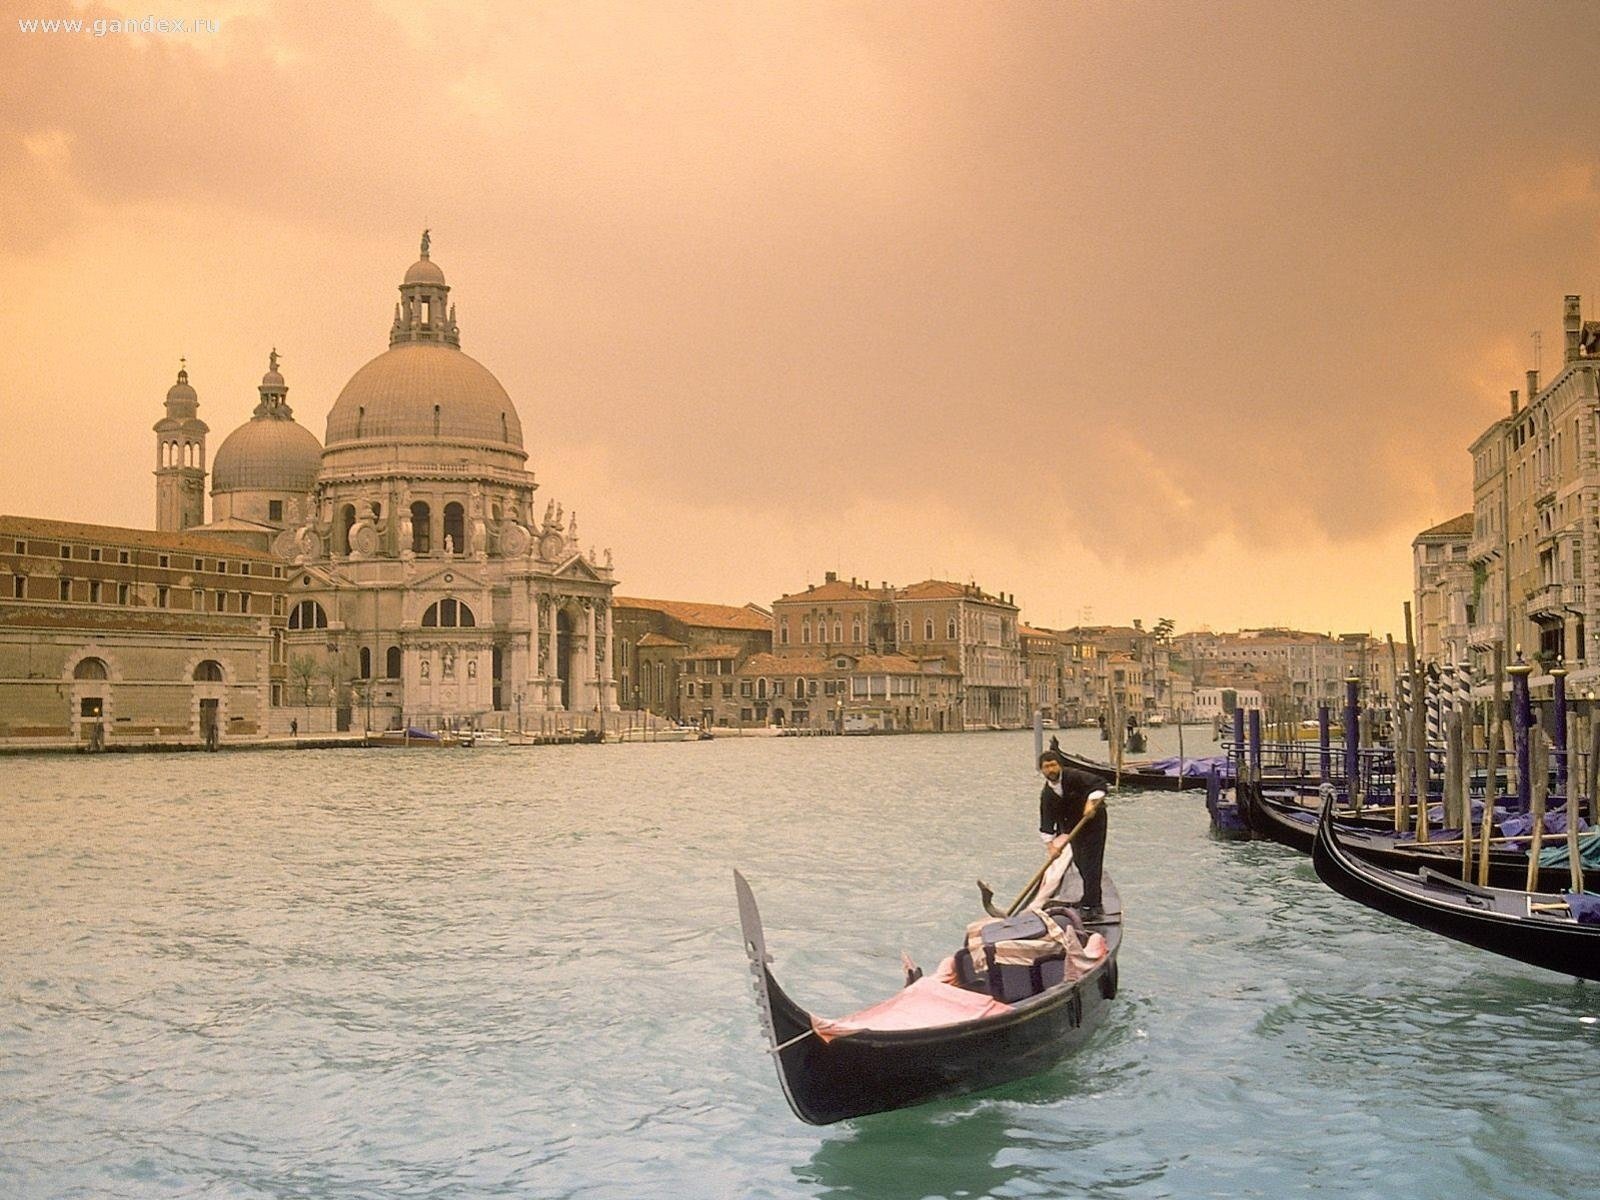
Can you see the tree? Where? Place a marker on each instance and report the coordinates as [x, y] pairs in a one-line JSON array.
[[303, 672], [1164, 629]]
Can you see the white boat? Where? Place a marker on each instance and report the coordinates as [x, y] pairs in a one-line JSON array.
[[482, 737]]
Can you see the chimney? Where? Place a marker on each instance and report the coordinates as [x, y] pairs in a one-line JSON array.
[[1513, 402], [1533, 385], [833, 576], [1572, 327]]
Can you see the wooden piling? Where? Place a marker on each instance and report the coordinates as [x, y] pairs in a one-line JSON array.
[[1493, 736], [1539, 767]]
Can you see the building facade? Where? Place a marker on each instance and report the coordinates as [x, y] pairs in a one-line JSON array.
[[1536, 517], [124, 637], [656, 637], [1442, 591]]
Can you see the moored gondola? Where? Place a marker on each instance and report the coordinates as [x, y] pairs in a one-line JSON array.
[[1375, 841], [1544, 929], [1146, 776], [949, 1039]]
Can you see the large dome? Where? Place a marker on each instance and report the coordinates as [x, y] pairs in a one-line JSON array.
[[424, 391], [267, 455]]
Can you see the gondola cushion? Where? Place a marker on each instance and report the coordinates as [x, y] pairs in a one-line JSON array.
[[1018, 957]]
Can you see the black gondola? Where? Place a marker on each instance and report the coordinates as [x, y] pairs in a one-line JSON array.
[[1375, 841], [878, 1070], [1500, 920], [1134, 775]]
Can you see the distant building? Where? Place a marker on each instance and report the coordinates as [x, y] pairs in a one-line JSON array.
[[129, 636], [835, 693], [657, 638], [972, 633], [1442, 587]]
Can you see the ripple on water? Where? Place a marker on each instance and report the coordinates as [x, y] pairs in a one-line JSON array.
[[519, 973]]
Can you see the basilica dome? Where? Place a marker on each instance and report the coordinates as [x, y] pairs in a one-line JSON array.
[[423, 389], [270, 452], [267, 455]]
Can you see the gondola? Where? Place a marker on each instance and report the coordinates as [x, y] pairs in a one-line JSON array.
[[1135, 775], [1532, 927], [877, 1070], [1374, 840]]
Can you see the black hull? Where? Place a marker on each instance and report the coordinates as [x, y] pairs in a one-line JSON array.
[[1499, 920], [1298, 829], [1154, 781], [873, 1072]]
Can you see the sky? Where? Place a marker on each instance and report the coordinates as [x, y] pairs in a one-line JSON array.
[[1129, 309]]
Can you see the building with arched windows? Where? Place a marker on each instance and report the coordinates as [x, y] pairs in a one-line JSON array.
[[425, 587], [400, 571]]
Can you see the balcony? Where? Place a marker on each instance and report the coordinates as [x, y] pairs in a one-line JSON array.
[[1484, 635], [1482, 549], [1550, 603]]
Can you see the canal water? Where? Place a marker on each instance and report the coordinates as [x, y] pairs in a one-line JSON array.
[[518, 973]]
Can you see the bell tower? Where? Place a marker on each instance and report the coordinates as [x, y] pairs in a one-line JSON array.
[[180, 460]]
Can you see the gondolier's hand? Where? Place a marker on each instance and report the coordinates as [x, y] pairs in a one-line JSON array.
[[1057, 845]]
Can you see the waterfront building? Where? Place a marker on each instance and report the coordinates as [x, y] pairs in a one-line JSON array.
[[117, 637], [1295, 670], [1535, 544], [655, 638], [1442, 587], [424, 580], [838, 692], [1043, 667], [973, 633], [420, 585]]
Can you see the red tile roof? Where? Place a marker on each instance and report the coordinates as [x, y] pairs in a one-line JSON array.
[[702, 616], [657, 639], [839, 589], [70, 531], [1455, 527]]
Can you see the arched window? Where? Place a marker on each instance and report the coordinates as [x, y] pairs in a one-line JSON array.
[[448, 614], [209, 671], [366, 663], [783, 632], [91, 668], [761, 689], [838, 631], [347, 518], [799, 688], [855, 632], [805, 632], [950, 629], [455, 526], [391, 664], [421, 528], [905, 631], [308, 614], [927, 630]]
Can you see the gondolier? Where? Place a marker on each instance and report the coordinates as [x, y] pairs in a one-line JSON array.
[[1063, 803]]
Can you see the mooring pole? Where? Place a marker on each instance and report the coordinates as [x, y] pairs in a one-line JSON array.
[[1241, 771], [1324, 736], [1255, 744], [1352, 740], [1521, 719], [1559, 733]]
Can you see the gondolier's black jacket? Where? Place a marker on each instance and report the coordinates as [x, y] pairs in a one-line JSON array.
[[1060, 814]]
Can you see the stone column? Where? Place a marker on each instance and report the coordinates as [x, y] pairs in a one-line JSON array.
[[593, 695], [552, 672], [608, 682]]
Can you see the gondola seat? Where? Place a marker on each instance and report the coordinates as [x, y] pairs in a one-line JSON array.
[[1021, 956]]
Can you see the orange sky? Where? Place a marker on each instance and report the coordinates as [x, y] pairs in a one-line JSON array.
[[1130, 309]]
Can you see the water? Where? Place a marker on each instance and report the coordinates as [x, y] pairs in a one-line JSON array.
[[518, 973]]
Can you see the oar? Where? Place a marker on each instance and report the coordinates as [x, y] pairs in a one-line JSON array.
[[987, 892]]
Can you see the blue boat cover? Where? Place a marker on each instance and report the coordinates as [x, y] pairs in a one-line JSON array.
[[1585, 907], [1193, 768]]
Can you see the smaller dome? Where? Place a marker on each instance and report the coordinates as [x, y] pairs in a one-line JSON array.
[[267, 454], [425, 270], [273, 380]]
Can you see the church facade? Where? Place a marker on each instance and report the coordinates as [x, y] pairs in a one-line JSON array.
[[415, 580], [422, 573]]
